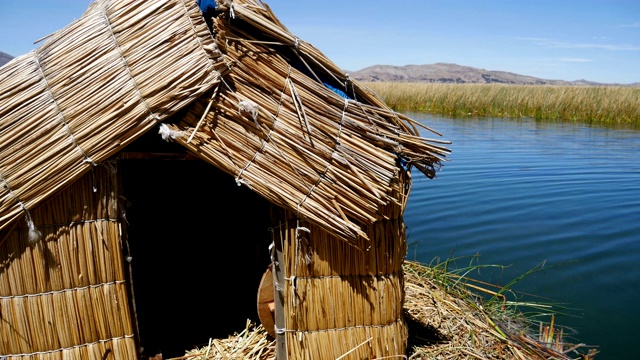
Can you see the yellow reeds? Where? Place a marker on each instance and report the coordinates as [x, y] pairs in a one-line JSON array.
[[66, 294], [342, 300], [303, 147], [92, 88], [119, 348], [605, 105], [251, 343]]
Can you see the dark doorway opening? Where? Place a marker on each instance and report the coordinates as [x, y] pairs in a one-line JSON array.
[[199, 246]]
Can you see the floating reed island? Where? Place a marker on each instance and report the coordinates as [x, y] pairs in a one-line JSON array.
[[223, 84]]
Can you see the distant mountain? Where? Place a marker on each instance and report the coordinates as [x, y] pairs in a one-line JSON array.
[[4, 58], [439, 73], [454, 74]]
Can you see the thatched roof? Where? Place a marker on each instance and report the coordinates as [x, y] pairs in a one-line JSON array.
[[246, 95], [92, 88]]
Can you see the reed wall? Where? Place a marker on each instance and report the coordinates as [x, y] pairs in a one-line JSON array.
[[344, 299], [341, 299], [65, 296]]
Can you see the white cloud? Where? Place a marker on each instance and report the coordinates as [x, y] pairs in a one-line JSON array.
[[576, 60], [565, 45], [635, 24]]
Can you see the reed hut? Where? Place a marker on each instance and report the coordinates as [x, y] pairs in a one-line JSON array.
[[131, 89]]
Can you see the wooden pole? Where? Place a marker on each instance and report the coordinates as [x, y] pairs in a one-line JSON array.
[[278, 288]]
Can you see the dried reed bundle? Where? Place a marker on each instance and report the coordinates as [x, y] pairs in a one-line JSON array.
[[92, 88], [277, 128], [65, 296], [461, 328], [253, 343]]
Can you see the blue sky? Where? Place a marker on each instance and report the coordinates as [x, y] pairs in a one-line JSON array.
[[549, 39]]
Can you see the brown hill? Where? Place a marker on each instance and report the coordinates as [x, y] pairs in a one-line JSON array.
[[438, 73], [451, 73], [4, 58]]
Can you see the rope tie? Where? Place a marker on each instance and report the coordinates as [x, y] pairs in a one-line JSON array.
[[295, 264], [296, 44], [193, 27], [281, 331], [347, 82], [126, 65], [370, 277], [62, 291], [70, 348], [232, 11], [286, 81], [59, 113], [249, 107], [34, 234], [272, 249], [323, 175], [168, 134], [229, 156], [239, 181], [274, 259], [272, 130]]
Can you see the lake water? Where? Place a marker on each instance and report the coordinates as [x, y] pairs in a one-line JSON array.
[[520, 193]]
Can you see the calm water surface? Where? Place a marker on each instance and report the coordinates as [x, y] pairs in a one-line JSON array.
[[521, 192]]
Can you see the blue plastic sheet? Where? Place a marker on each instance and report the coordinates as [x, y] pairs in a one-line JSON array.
[[336, 90], [207, 6]]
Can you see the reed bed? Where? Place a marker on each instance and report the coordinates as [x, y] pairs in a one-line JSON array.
[[65, 296], [277, 128], [445, 323], [604, 105], [92, 88]]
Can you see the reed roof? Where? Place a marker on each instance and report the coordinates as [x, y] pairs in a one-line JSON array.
[[245, 94]]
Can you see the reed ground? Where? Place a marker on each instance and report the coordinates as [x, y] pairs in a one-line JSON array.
[[447, 319]]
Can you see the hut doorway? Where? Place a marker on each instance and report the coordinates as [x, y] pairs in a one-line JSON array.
[[199, 246]]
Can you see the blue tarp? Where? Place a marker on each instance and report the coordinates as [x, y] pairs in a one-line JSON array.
[[336, 90], [207, 6]]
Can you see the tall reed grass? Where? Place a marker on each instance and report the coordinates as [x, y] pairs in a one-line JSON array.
[[606, 105]]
